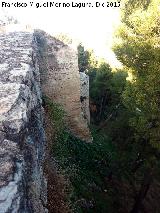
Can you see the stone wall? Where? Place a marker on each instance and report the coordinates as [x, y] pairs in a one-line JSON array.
[[60, 80], [22, 183], [23, 56], [84, 80]]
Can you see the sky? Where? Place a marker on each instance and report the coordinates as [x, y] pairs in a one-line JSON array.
[[93, 26]]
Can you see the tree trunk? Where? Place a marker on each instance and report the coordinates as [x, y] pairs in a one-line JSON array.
[[100, 112], [108, 118], [142, 193]]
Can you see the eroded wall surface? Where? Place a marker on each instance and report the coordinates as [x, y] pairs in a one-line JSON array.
[[22, 139], [60, 80], [84, 81], [31, 62]]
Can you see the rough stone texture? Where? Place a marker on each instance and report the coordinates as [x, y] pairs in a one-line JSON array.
[[84, 80], [60, 80], [22, 138], [22, 183]]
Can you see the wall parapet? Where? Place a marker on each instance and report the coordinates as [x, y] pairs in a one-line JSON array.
[[22, 138]]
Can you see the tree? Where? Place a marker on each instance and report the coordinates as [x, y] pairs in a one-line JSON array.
[[139, 51], [83, 58], [100, 89], [137, 47]]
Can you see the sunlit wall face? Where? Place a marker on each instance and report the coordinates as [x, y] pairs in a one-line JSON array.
[[92, 26]]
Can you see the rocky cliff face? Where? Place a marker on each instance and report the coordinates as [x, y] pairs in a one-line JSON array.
[[23, 56], [22, 139]]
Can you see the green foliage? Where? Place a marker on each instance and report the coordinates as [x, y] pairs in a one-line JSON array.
[[83, 57], [106, 89], [106, 86], [138, 49], [91, 167], [110, 172], [130, 7], [102, 82], [86, 166], [56, 114], [131, 110], [86, 59]]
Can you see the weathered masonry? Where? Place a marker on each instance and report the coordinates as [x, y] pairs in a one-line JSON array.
[[60, 81], [32, 64]]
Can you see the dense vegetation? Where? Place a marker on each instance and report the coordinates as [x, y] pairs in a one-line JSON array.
[[119, 172]]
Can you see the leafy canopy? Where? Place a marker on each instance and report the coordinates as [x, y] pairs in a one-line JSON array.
[[137, 47]]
